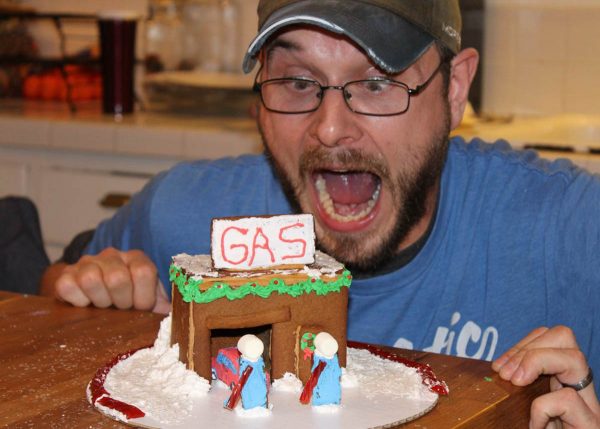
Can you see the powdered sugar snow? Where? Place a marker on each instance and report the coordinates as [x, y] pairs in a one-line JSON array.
[[379, 377], [154, 380]]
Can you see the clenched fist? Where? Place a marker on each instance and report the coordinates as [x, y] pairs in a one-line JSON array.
[[125, 279]]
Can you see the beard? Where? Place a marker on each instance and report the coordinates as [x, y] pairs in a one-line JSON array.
[[410, 189]]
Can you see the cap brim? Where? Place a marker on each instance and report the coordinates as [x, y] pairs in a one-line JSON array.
[[390, 41]]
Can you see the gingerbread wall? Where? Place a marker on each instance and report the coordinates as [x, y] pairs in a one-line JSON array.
[[193, 326]]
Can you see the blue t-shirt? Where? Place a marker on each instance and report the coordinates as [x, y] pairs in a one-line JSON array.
[[515, 245]]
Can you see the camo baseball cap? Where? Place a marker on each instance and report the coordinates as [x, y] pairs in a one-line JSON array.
[[393, 33]]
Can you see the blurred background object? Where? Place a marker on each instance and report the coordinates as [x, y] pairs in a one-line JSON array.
[[542, 57], [201, 35], [195, 93], [203, 41], [200, 75], [164, 37], [50, 49], [118, 30], [59, 50], [29, 70], [15, 42], [52, 83]]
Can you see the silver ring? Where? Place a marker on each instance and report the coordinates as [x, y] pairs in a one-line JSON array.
[[585, 382]]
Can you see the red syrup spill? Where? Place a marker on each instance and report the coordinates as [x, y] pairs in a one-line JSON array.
[[101, 396], [429, 378]]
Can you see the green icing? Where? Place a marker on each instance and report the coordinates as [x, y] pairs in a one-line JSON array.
[[190, 288]]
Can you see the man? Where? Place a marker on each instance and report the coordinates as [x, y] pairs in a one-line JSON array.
[[460, 248]]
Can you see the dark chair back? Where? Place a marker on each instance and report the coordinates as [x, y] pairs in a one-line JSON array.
[[23, 258]]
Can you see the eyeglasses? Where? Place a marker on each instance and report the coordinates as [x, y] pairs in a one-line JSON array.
[[372, 97]]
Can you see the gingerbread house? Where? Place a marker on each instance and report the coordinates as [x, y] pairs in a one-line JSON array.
[[264, 277]]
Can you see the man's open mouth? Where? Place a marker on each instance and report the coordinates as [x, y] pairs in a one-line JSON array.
[[347, 196]]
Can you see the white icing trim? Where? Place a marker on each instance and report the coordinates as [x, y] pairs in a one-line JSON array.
[[199, 266]]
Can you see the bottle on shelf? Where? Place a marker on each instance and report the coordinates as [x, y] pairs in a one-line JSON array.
[[230, 37], [202, 42], [164, 37]]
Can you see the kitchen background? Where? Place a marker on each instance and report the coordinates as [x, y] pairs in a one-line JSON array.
[[537, 87]]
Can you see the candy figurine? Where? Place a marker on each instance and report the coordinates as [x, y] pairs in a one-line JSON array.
[[323, 387], [254, 390]]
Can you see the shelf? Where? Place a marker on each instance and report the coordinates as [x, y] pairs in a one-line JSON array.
[[59, 62], [52, 62], [54, 16]]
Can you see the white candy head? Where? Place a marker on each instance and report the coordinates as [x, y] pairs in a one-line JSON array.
[[325, 345], [251, 347]]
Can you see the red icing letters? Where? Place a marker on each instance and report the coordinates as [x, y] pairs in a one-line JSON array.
[[261, 242], [243, 231], [265, 246], [299, 240]]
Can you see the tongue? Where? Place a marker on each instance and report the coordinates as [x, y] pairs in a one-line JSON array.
[[350, 188]]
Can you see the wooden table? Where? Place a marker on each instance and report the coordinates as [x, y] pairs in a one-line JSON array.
[[49, 351]]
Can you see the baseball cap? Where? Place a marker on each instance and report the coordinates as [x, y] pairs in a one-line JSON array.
[[393, 33]]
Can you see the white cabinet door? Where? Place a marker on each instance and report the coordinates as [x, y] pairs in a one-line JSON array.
[[70, 200], [13, 179]]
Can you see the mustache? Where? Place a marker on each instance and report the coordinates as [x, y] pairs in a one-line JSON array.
[[318, 158]]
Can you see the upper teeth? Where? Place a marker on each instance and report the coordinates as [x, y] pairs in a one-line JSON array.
[[327, 202]]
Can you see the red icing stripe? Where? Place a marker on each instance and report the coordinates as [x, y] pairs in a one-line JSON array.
[[429, 378], [102, 397], [129, 410]]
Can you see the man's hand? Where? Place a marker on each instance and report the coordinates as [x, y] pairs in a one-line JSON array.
[[112, 277], [554, 352]]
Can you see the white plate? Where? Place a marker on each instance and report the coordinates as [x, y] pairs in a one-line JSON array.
[[361, 408]]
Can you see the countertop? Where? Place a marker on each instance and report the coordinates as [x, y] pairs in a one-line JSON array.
[[53, 125], [572, 136]]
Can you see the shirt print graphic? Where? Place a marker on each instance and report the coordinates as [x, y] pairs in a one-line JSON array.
[[450, 341]]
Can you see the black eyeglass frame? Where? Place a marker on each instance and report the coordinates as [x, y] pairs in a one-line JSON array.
[[257, 87]]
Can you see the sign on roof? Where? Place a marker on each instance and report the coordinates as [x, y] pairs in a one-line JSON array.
[[260, 242]]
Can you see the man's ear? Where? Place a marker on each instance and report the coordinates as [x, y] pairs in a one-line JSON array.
[[464, 66]]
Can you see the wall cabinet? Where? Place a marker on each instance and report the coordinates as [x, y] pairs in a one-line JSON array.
[[73, 192], [74, 200]]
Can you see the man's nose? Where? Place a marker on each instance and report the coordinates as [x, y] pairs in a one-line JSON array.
[[335, 123]]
